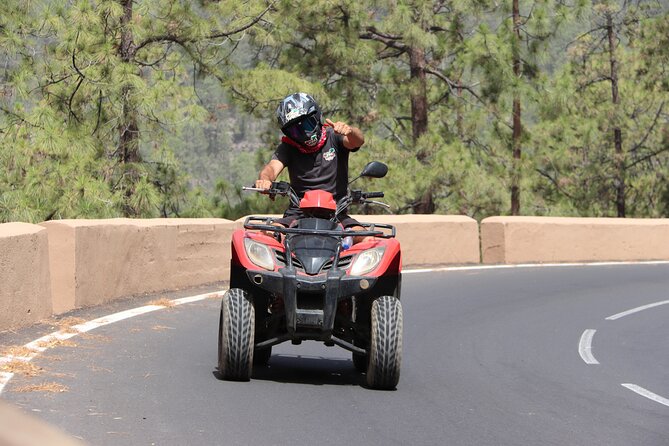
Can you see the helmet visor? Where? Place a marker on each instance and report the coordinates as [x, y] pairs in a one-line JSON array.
[[299, 129]]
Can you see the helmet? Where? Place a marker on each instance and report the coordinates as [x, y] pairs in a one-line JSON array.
[[299, 117]]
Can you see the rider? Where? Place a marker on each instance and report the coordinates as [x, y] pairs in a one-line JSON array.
[[315, 153]]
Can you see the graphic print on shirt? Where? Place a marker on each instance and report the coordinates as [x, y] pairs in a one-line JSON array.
[[330, 154]]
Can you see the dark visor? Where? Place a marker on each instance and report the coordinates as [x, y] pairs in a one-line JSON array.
[[303, 127]]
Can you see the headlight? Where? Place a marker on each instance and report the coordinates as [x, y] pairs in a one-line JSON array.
[[367, 261], [259, 254]]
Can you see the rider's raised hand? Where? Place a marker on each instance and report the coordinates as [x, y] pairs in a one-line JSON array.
[[339, 127]]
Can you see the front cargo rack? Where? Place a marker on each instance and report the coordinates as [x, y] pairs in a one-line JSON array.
[[261, 223]]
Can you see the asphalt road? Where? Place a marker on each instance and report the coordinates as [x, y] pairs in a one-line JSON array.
[[491, 357]]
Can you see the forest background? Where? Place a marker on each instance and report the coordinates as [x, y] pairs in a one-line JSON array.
[[165, 108]]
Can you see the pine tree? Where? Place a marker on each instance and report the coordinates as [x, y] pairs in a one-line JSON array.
[[605, 153], [98, 87], [509, 52]]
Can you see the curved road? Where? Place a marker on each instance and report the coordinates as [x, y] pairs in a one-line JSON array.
[[491, 357]]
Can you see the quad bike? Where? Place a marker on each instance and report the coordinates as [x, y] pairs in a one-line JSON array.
[[303, 282]]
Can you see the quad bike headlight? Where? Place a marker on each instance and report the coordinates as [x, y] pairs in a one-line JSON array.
[[259, 254], [367, 261]]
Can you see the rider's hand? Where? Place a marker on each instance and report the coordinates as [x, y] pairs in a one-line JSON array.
[[339, 127], [263, 184]]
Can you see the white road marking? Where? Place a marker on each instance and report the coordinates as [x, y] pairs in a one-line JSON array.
[[585, 347], [636, 310], [42, 344], [39, 345], [647, 393]]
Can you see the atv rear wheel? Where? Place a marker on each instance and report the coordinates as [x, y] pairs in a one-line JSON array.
[[385, 353], [236, 330]]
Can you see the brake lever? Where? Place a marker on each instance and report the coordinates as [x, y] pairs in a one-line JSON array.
[[378, 203]]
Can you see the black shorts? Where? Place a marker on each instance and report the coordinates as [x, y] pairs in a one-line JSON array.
[[290, 216]]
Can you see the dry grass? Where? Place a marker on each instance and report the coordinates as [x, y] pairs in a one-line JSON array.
[[67, 324], [17, 351], [95, 337], [162, 328], [56, 343], [50, 387], [162, 302], [19, 367]]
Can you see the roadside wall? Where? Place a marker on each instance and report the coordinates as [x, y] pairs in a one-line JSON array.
[[25, 288], [95, 261], [551, 240], [66, 264], [433, 239], [427, 239]]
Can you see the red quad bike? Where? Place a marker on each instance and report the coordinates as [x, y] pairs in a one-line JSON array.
[[302, 283]]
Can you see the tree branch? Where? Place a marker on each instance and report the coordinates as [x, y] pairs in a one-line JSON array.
[[214, 35], [555, 183], [451, 84], [592, 82], [387, 39]]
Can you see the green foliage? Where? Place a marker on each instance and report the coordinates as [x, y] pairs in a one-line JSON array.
[[577, 161], [94, 97], [167, 112]]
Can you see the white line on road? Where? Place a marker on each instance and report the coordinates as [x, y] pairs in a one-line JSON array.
[[42, 344], [585, 347], [636, 310], [647, 393]]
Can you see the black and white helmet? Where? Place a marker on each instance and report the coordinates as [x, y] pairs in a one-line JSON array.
[[299, 117]]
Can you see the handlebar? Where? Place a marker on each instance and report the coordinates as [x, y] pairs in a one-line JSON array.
[[372, 195]]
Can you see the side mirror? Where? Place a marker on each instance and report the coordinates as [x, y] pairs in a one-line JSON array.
[[375, 169]]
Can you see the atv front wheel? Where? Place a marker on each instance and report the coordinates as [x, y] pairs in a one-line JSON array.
[[385, 353], [236, 330]]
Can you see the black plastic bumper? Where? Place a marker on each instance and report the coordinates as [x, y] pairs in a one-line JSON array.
[[331, 286]]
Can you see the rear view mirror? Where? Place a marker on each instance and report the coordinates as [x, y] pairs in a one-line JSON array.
[[375, 169]]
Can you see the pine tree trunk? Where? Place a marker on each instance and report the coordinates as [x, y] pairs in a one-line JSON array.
[[418, 93], [517, 124], [424, 204], [617, 133], [128, 145]]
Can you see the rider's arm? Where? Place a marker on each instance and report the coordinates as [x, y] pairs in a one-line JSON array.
[[352, 136], [354, 139], [269, 173]]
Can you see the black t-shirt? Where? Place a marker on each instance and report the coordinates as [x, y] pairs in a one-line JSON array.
[[325, 169]]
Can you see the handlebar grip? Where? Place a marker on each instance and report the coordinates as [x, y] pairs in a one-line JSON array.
[[373, 195]]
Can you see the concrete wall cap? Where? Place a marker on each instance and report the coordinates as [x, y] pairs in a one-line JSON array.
[[13, 229], [414, 218], [143, 222], [577, 220]]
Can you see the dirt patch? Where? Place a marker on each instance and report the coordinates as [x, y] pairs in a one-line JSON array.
[[50, 387], [56, 343], [67, 324], [162, 328], [19, 367], [162, 302], [17, 351]]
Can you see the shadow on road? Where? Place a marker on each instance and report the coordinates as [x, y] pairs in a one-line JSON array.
[[314, 370]]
